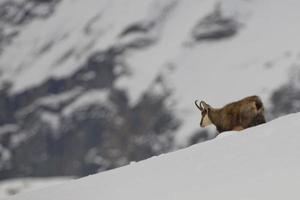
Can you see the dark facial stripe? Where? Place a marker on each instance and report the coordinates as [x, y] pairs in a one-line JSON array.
[[201, 121]]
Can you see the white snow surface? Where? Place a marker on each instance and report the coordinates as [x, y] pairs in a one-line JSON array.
[[257, 163], [20, 185]]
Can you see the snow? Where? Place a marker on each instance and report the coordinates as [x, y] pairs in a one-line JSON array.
[[59, 45], [15, 186], [56, 99], [98, 97], [173, 34], [8, 128], [5, 157], [257, 163], [52, 100], [52, 119]]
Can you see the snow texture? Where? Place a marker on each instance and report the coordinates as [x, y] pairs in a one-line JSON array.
[[98, 97], [15, 186], [257, 163]]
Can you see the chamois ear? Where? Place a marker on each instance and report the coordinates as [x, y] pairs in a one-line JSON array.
[[205, 105]]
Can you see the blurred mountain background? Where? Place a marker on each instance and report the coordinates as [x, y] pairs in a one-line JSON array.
[[88, 86]]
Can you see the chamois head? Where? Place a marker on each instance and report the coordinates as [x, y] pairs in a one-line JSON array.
[[205, 109]]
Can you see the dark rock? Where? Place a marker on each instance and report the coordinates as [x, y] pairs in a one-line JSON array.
[[215, 26]]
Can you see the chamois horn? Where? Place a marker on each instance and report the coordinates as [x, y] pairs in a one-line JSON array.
[[198, 105]]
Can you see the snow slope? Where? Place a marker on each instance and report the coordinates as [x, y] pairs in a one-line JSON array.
[[16, 186], [258, 163]]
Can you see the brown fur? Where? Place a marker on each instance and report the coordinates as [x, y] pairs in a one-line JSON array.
[[238, 115]]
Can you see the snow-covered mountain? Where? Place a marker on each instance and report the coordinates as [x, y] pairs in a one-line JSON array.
[[91, 85], [257, 163]]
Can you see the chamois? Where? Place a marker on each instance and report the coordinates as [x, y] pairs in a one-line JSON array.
[[236, 116]]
